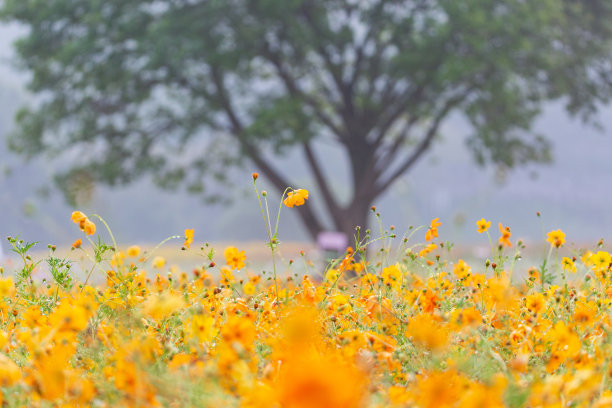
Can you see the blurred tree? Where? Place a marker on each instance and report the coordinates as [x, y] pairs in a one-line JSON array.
[[183, 89]]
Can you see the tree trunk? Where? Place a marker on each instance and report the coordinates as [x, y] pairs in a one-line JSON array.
[[310, 221], [356, 215]]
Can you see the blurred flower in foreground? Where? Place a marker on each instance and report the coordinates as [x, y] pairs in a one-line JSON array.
[[158, 262], [133, 251], [296, 198], [188, 238]]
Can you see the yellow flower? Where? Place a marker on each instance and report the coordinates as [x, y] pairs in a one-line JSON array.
[[556, 238], [158, 262], [163, 305], [9, 371], [332, 275], [392, 276], [600, 261], [249, 289], [202, 328], [227, 276], [483, 225], [7, 287], [568, 265], [188, 238], [133, 251], [461, 269], [234, 258], [117, 259], [296, 198], [69, 317], [535, 303]]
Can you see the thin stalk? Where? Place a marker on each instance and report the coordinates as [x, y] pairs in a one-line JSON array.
[[108, 229]]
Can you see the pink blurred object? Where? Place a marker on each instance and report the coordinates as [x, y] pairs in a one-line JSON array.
[[332, 241]]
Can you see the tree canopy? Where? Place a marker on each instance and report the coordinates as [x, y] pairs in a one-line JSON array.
[[184, 89]]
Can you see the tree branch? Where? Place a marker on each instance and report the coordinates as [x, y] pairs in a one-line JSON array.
[[279, 182], [425, 142], [294, 90]]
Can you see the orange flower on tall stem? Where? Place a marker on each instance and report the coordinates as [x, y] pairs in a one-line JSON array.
[[85, 224], [483, 225], [234, 258], [188, 238], [432, 232], [505, 236], [296, 197], [556, 238]]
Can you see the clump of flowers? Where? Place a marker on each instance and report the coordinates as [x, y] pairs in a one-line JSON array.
[[413, 330], [84, 223]]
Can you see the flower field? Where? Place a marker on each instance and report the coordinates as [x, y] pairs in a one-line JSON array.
[[394, 322]]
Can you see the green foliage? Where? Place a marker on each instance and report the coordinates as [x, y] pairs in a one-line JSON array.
[[183, 90], [24, 275]]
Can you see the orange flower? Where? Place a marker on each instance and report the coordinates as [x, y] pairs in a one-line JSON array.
[[426, 332], [9, 371], [84, 223], [77, 217], [88, 227], [188, 238], [433, 229], [296, 198], [234, 258], [77, 244], [505, 236], [310, 379], [427, 249]]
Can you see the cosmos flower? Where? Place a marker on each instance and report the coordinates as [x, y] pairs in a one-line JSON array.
[[483, 225], [296, 197]]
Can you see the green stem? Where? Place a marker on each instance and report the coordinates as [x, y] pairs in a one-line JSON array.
[[268, 228], [108, 229], [159, 245]]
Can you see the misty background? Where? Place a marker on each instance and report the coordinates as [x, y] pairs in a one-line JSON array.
[[574, 193]]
